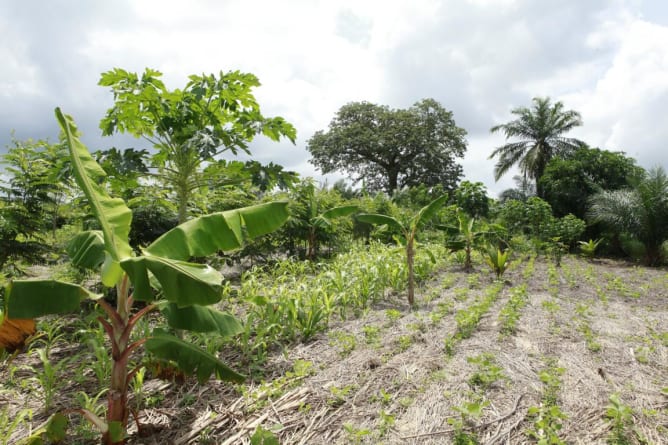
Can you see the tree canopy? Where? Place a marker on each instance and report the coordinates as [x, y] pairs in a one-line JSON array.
[[191, 126], [540, 132], [388, 149], [569, 181]]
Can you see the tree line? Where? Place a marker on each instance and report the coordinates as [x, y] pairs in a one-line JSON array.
[[397, 158]]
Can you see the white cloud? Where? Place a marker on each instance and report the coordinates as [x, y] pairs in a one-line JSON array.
[[479, 58]]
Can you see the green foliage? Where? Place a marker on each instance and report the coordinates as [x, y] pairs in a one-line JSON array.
[[160, 274], [470, 234], [570, 180], [409, 231], [568, 229], [33, 188], [391, 149], [620, 417], [472, 198], [540, 132], [188, 127], [312, 215], [588, 248], [497, 260], [639, 212]]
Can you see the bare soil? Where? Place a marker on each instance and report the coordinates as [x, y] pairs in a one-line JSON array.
[[376, 379]]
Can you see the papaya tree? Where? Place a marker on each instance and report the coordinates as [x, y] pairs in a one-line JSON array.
[[189, 128], [160, 276], [408, 231]]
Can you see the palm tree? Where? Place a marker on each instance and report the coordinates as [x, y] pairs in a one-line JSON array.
[[641, 211], [540, 131]]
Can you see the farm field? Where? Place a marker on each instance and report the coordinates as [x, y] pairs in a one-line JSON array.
[[574, 354]]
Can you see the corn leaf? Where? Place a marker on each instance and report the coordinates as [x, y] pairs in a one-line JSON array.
[[190, 358]]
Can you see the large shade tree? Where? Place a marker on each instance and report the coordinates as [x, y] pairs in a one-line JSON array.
[[539, 136], [189, 127], [388, 149]]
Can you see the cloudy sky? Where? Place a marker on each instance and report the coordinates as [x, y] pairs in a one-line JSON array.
[[607, 59]]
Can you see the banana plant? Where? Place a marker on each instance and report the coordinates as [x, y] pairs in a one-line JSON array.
[[160, 276], [409, 231], [467, 235], [497, 260]]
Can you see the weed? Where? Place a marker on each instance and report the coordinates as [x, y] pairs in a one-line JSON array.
[[345, 342], [393, 315], [371, 334], [405, 342]]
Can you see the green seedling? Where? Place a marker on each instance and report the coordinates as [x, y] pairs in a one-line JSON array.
[[588, 248], [497, 260]]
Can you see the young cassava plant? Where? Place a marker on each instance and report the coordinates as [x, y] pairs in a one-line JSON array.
[[409, 231], [160, 276]]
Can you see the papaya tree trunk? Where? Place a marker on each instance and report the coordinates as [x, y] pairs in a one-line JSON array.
[[410, 256]]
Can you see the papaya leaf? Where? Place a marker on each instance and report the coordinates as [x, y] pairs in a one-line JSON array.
[[182, 283], [112, 213], [201, 319], [189, 358], [34, 298], [87, 250], [219, 231]]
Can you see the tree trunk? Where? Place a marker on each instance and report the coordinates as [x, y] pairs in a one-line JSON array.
[[392, 181]]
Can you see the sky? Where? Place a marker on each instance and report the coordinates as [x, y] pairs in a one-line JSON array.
[[607, 59]]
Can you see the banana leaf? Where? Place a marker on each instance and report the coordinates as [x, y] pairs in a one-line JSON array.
[[190, 358], [201, 319], [35, 298], [181, 282], [219, 231]]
